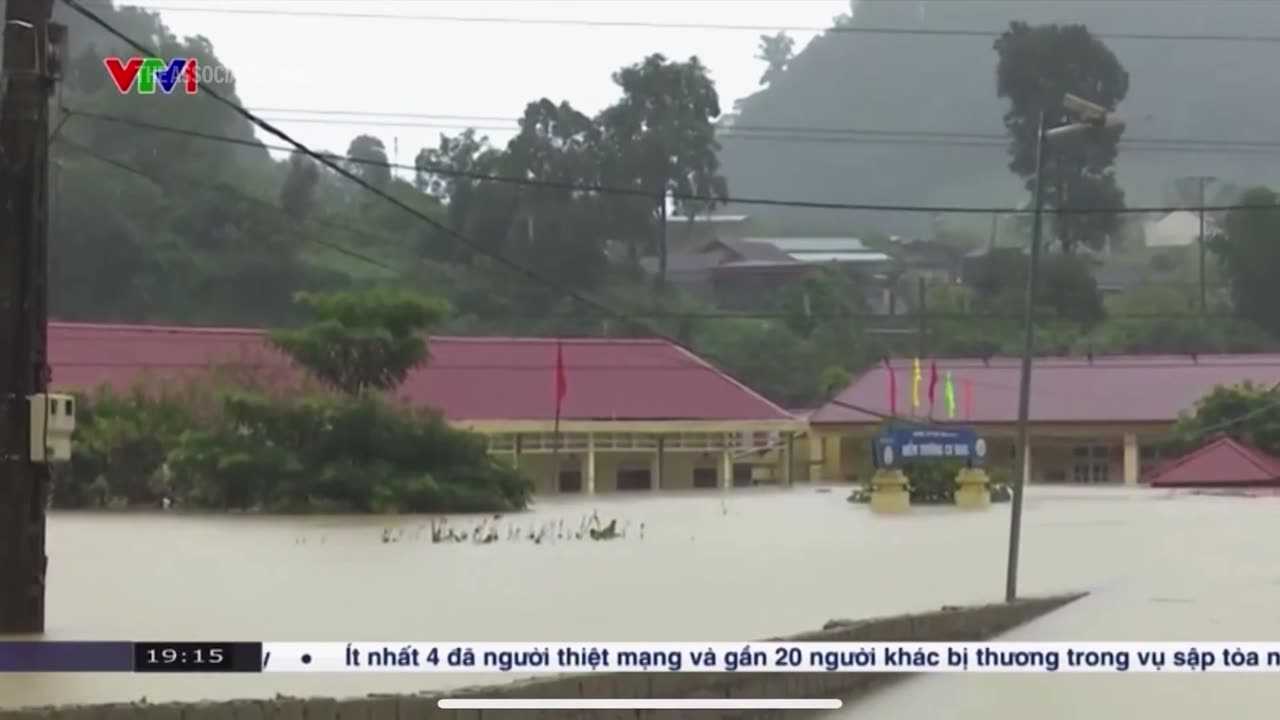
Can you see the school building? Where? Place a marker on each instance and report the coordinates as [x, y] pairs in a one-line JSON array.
[[1102, 420], [636, 414]]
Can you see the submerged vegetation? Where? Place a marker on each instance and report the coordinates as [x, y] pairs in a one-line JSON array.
[[211, 444]]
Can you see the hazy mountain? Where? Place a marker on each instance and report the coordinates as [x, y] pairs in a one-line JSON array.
[[1204, 90]]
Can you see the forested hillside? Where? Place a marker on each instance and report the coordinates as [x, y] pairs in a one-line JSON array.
[[1200, 90], [167, 209]]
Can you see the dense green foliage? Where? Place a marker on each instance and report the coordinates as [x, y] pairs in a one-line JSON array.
[[205, 446], [201, 231], [320, 453], [1247, 412], [361, 341], [1078, 172]]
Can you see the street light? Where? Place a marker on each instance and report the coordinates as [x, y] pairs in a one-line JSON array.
[[1091, 116]]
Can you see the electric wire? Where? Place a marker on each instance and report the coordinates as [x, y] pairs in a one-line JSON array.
[[779, 133], [666, 25], [332, 160], [496, 257], [168, 178]]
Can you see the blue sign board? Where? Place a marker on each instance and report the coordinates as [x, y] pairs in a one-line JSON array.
[[904, 445]]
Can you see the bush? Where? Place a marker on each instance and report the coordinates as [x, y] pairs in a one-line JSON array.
[[121, 443], [279, 454]]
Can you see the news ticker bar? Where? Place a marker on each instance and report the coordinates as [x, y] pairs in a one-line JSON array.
[[638, 657]]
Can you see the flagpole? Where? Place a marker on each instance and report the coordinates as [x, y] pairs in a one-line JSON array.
[[560, 390]]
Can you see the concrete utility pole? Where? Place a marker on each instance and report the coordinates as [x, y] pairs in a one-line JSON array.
[[1090, 116], [1202, 183], [32, 61]]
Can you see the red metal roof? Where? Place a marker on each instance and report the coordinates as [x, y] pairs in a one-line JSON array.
[[1129, 388], [467, 378], [1224, 462]]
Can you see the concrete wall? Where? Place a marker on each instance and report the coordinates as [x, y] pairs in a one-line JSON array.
[[970, 624]]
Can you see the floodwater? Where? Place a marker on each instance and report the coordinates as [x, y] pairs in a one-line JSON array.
[[749, 564]]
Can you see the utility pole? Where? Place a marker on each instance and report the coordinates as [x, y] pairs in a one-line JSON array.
[[1092, 116], [32, 62], [1202, 182]]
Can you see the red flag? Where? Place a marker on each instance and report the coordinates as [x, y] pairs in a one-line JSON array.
[[968, 398], [562, 384], [933, 383], [893, 388]]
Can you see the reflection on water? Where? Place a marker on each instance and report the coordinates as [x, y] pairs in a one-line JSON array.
[[759, 564]]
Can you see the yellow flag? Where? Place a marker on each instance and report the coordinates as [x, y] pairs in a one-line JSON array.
[[949, 392], [915, 383]]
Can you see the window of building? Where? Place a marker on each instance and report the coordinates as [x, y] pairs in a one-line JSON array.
[[570, 481], [1092, 465], [704, 477], [742, 475], [633, 478]]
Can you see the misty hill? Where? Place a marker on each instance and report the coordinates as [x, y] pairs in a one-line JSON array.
[[1202, 90]]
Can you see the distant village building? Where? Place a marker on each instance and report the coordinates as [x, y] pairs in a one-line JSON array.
[[1179, 228], [739, 272]]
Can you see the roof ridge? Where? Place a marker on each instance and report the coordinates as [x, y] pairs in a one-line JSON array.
[[156, 328], [1254, 456], [734, 381], [547, 340]]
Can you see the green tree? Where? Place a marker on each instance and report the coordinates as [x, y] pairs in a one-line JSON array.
[[298, 193], [660, 139], [361, 340], [1037, 66], [455, 172], [1247, 412], [1067, 289], [776, 51], [1250, 251], [367, 157], [557, 230]]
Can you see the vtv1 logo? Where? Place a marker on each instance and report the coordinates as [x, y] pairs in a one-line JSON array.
[[151, 73]]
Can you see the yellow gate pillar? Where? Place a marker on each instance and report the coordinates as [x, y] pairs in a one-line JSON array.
[[973, 488], [889, 492], [831, 449]]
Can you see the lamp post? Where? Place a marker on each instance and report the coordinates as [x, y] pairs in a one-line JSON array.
[[1091, 116]]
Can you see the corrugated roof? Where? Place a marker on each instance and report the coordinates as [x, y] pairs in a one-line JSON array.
[[1221, 463], [467, 378], [821, 257], [753, 251], [812, 244], [1132, 388]]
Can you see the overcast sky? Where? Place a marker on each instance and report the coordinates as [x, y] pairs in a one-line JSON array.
[[484, 71]]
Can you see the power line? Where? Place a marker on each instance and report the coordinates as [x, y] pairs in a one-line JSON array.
[[849, 136], [464, 122], [462, 239], [160, 182], [658, 25], [668, 315], [332, 160], [1100, 364]]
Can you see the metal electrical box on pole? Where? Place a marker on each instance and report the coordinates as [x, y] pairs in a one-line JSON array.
[[34, 49]]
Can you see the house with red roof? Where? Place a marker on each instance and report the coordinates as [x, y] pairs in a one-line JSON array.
[[637, 414], [1099, 420], [1221, 463]]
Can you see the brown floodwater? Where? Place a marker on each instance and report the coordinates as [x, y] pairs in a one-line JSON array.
[[749, 564]]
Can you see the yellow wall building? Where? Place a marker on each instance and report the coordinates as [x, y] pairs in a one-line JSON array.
[[1093, 420], [637, 414]]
